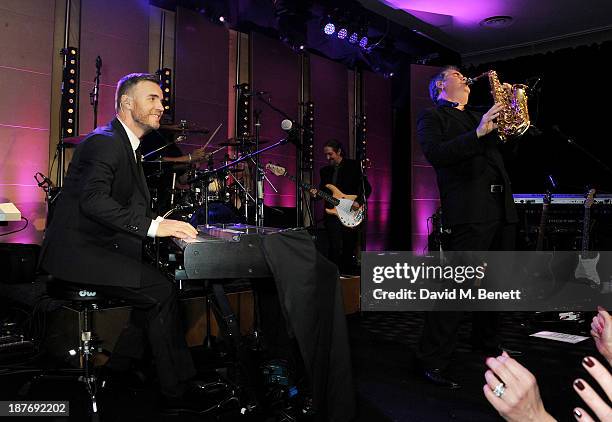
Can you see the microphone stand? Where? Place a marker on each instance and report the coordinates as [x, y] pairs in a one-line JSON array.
[[94, 95], [179, 138], [571, 141], [236, 161], [259, 194]]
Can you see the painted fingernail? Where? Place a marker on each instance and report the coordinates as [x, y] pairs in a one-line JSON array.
[[577, 413], [588, 362], [579, 385]]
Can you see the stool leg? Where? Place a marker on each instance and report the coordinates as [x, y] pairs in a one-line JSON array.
[[86, 354]]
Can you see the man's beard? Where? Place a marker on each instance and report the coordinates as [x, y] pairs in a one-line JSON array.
[[142, 119]]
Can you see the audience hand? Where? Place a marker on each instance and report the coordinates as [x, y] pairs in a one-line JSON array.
[[601, 331], [521, 399], [598, 406], [176, 228]]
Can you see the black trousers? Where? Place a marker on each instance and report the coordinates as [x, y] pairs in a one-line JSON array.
[[155, 321], [342, 242], [439, 337]]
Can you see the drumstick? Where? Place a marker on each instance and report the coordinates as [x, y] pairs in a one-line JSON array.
[[217, 150], [213, 135]]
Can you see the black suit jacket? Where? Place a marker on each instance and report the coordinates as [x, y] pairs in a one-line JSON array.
[[102, 215], [349, 180], [460, 160]]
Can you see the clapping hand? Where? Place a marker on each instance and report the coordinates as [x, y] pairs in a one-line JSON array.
[[597, 406], [601, 331]]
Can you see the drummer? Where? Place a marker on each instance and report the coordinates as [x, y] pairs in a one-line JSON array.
[[167, 168]]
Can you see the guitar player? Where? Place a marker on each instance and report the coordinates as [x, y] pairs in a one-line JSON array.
[[346, 175]]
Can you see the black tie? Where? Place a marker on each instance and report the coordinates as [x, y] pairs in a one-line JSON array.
[[138, 153]]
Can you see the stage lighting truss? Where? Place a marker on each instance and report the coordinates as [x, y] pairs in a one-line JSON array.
[[346, 27], [308, 137], [70, 93], [243, 103], [361, 144], [165, 82]]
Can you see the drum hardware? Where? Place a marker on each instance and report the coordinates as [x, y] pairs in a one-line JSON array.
[[240, 142], [184, 127]]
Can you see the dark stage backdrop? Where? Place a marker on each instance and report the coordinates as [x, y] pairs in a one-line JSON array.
[[329, 92], [201, 77], [377, 108], [424, 193], [118, 32], [574, 96], [275, 68]]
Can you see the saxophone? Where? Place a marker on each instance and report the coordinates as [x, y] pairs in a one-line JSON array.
[[513, 118]]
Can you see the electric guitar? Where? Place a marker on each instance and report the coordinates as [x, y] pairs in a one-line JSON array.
[[586, 268], [343, 204]]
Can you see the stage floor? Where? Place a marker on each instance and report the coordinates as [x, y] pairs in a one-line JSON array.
[[387, 380]]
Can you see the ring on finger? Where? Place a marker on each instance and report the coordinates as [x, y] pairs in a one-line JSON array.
[[499, 389]]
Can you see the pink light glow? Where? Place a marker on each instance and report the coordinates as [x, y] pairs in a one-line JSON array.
[[463, 12]]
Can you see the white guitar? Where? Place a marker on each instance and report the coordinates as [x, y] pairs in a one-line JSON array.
[[343, 204], [587, 265]]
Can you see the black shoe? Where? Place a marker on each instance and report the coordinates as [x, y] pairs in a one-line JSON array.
[[437, 376]]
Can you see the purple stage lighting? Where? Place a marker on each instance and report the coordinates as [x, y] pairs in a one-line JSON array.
[[342, 33], [363, 43], [329, 29], [353, 38]]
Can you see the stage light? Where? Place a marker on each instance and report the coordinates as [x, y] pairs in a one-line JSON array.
[[243, 122], [308, 136], [165, 83], [70, 92], [353, 38], [342, 33], [363, 43], [221, 19], [329, 29]]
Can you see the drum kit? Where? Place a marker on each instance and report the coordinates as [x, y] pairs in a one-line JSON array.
[[194, 193], [184, 189]]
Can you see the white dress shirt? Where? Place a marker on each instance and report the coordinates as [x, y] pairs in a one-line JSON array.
[[135, 142]]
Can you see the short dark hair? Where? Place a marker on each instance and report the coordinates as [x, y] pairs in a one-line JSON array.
[[335, 145], [129, 81], [434, 91]]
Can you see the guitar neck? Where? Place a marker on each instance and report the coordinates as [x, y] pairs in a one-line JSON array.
[[307, 186], [543, 218], [585, 229]]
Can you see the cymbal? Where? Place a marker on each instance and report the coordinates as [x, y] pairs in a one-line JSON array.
[[236, 142], [184, 127], [74, 140]]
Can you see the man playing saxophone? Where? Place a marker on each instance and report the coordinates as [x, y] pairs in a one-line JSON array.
[[478, 211]]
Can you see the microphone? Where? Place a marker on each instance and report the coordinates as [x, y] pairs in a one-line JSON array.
[[45, 180], [286, 125], [98, 62]]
